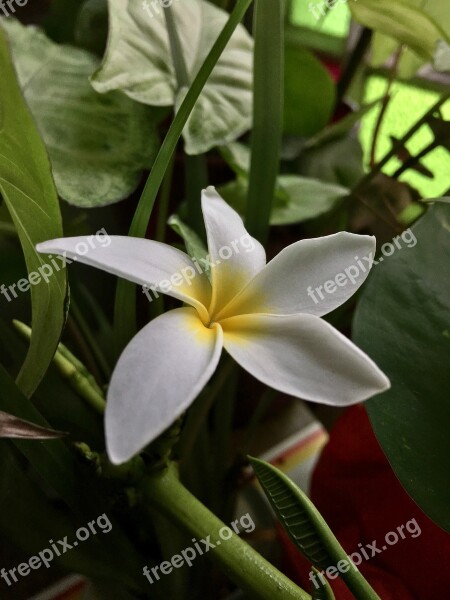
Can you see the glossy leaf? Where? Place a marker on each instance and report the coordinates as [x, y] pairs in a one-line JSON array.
[[98, 145], [403, 323], [27, 188], [145, 72]]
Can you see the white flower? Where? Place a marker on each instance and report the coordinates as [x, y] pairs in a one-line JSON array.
[[262, 315]]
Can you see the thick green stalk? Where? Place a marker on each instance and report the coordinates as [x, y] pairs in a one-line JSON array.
[[268, 88], [125, 307], [248, 569]]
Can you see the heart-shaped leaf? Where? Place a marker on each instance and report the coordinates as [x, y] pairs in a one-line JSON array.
[[98, 145], [403, 323], [138, 61], [27, 188]]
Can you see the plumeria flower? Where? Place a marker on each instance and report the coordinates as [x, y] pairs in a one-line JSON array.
[[262, 314]]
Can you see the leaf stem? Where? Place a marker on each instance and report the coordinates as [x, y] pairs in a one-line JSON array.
[[248, 569]]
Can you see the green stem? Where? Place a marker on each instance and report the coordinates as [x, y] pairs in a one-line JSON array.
[[248, 569], [414, 160], [125, 306], [268, 92]]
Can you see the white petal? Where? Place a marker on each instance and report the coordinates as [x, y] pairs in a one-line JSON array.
[[236, 257], [141, 261], [303, 356], [158, 375], [295, 281]]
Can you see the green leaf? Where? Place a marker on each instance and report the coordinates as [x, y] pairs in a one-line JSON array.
[[310, 92], [307, 528], [98, 145], [28, 191], [138, 61], [383, 47], [268, 100], [296, 199], [403, 323], [194, 245], [401, 21]]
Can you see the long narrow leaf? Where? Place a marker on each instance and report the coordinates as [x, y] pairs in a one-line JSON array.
[[268, 114], [307, 528]]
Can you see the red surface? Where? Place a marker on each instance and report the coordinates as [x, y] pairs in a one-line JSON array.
[[359, 496]]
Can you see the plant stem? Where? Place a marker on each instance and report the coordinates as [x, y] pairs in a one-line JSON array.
[[268, 95], [248, 569]]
